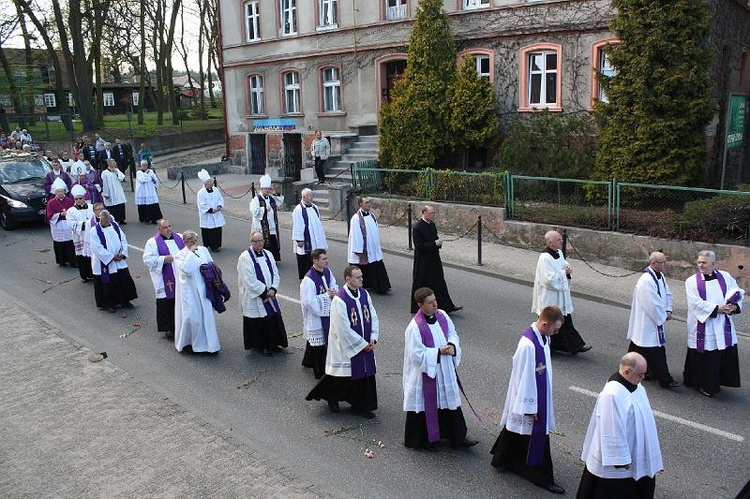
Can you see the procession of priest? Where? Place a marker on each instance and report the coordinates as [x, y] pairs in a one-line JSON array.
[[341, 329]]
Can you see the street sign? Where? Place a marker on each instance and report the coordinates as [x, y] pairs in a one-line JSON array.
[[736, 125]]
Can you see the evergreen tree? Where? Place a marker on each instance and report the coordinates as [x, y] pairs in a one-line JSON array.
[[660, 98], [414, 125], [472, 122]]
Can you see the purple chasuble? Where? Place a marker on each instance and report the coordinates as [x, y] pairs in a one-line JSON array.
[[701, 329], [308, 243], [539, 429], [429, 385], [321, 287], [167, 272], [363, 364], [103, 240], [272, 306], [660, 327]]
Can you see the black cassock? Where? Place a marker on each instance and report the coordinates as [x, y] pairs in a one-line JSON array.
[[428, 268]]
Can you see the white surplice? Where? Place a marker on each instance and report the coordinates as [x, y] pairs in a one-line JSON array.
[[257, 211], [551, 286], [79, 220], [648, 310], [343, 342], [314, 226], [115, 244], [60, 228], [314, 306], [251, 287], [146, 187], [701, 310], [419, 359], [210, 201], [521, 397], [155, 263], [356, 241], [195, 322], [622, 431], [112, 191]]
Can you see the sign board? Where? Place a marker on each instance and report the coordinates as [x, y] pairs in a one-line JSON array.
[[736, 125], [275, 125]]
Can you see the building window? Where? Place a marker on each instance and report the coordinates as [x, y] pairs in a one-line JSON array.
[[255, 86], [483, 62], [135, 98], [606, 69], [288, 17], [483, 66], [109, 99], [292, 93], [541, 82], [475, 4], [5, 100], [50, 100], [395, 9], [39, 100], [331, 90], [601, 66], [71, 100], [328, 15], [252, 21]]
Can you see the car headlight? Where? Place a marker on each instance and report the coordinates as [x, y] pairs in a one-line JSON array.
[[15, 204]]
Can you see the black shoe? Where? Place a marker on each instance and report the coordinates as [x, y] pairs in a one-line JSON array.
[[363, 413], [454, 309], [123, 223], [127, 304], [111, 310], [554, 488], [584, 348], [705, 393], [334, 406], [277, 349], [429, 448], [266, 352], [672, 384], [169, 335], [467, 442]]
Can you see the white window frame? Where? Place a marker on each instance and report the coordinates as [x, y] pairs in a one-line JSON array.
[[39, 100], [328, 14], [605, 67], [50, 100], [288, 17], [71, 100], [476, 4], [331, 81], [478, 58], [5, 100], [542, 74], [252, 21], [109, 99], [135, 98], [395, 9], [255, 89], [292, 98]]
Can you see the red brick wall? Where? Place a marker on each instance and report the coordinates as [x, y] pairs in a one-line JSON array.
[[237, 142]]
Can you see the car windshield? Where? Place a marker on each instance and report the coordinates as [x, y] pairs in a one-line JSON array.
[[19, 171]]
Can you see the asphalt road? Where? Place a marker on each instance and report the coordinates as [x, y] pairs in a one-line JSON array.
[[704, 441]]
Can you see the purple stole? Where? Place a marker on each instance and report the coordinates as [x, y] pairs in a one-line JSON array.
[[701, 329], [316, 278], [660, 327], [103, 240], [167, 272], [308, 243], [429, 385], [272, 306], [539, 429], [363, 364], [363, 260]]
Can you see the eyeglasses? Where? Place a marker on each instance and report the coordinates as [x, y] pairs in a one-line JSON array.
[[256, 240]]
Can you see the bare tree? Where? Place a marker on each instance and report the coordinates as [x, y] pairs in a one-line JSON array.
[[7, 28]]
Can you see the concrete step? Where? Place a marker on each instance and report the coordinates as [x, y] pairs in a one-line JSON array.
[[369, 138], [363, 146], [357, 157]]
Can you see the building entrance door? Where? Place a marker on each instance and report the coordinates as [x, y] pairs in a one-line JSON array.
[[394, 70], [292, 155], [256, 153]]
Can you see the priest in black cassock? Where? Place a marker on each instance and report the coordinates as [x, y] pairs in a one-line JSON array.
[[428, 268]]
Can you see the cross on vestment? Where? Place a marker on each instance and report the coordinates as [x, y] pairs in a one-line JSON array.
[[321, 289], [366, 313], [540, 368], [353, 316], [170, 285]]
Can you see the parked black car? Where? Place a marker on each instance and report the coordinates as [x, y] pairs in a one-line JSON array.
[[22, 189]]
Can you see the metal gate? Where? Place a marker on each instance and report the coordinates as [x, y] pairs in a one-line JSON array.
[[292, 155], [256, 153]]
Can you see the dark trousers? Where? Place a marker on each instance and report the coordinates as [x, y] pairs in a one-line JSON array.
[[319, 169]]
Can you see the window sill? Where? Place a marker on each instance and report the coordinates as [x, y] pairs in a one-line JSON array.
[[331, 114], [327, 27], [250, 42], [535, 109], [292, 115], [256, 116]]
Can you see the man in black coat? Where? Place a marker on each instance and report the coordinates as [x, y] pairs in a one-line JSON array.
[[89, 153], [428, 268]]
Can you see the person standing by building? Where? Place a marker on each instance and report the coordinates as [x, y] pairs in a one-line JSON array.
[[713, 297], [158, 256], [621, 450], [316, 291], [320, 149], [428, 267], [350, 360], [365, 249], [432, 397], [523, 446], [264, 209], [79, 217], [147, 195], [211, 210], [552, 287], [195, 322], [307, 232], [62, 236], [259, 280], [112, 192], [650, 309]]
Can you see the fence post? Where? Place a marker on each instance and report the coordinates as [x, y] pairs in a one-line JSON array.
[[252, 188], [479, 240], [296, 197], [348, 210], [131, 174], [565, 243], [408, 224], [216, 183], [182, 180]]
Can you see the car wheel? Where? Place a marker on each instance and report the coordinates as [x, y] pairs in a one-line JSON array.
[[6, 221]]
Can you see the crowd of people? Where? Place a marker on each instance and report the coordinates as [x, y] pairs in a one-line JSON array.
[[341, 328]]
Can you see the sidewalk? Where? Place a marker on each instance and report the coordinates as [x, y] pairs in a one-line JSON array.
[[73, 428]]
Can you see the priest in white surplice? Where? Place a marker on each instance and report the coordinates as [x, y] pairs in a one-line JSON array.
[[79, 217], [211, 212], [621, 450], [264, 208], [528, 416], [316, 291], [713, 297], [147, 194], [158, 256], [109, 262], [112, 192], [432, 397], [651, 308], [307, 232], [365, 250]]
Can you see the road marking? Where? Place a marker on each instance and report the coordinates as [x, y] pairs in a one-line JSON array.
[[675, 419], [279, 295]]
